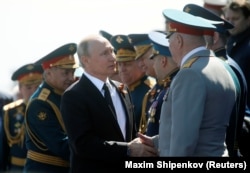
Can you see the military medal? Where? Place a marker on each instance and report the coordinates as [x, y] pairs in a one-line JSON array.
[[152, 112], [166, 95]]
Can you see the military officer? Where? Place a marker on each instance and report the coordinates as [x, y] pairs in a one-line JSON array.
[[29, 77], [217, 44], [132, 76], [144, 51], [47, 141], [194, 127], [165, 69]]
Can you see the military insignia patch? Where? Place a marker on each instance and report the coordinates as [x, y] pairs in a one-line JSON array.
[[42, 116], [20, 110]]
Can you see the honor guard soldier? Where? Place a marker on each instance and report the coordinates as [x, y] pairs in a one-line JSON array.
[[144, 51], [47, 141], [28, 77], [132, 76], [217, 44], [165, 69]]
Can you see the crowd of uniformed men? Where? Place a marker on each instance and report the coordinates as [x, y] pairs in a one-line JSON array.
[[33, 133]]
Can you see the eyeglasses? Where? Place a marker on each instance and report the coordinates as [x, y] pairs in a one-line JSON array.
[[169, 34]]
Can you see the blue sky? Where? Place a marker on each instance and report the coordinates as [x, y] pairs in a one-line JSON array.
[[31, 29]]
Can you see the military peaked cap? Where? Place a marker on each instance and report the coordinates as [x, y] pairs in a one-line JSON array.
[[160, 43], [141, 43], [124, 49], [179, 21], [62, 57], [222, 26], [28, 74], [105, 34]]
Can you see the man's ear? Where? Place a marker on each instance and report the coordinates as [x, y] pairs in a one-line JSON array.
[[216, 37], [164, 61]]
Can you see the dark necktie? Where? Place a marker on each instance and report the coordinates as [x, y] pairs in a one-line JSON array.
[[108, 98]]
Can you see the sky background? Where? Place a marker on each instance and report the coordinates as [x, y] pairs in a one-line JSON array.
[[30, 29]]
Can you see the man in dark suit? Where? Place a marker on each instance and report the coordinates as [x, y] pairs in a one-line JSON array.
[[47, 142], [98, 133]]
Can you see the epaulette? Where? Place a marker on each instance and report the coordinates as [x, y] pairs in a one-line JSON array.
[[13, 104], [150, 81], [44, 94], [189, 63]]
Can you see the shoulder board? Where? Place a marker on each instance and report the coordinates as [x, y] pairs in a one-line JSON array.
[[44, 94], [189, 62], [150, 81], [13, 104]]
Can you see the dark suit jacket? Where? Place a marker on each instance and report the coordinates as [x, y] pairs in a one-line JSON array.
[[95, 138]]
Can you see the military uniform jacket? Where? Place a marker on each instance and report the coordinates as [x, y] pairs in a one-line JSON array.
[[236, 120], [47, 142], [4, 148], [238, 48], [148, 99], [138, 91], [15, 134], [94, 134], [193, 121], [154, 111]]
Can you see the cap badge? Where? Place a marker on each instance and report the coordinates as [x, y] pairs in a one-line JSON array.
[[71, 48], [119, 39]]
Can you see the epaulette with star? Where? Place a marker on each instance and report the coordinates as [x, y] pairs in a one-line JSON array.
[[150, 81]]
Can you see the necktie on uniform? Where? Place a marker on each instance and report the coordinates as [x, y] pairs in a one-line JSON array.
[[108, 98]]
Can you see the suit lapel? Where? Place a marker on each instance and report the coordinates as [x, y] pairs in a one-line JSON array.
[[128, 108], [96, 95]]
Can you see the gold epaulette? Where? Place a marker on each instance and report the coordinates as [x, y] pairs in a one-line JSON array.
[[150, 81], [13, 104], [189, 62], [44, 94]]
